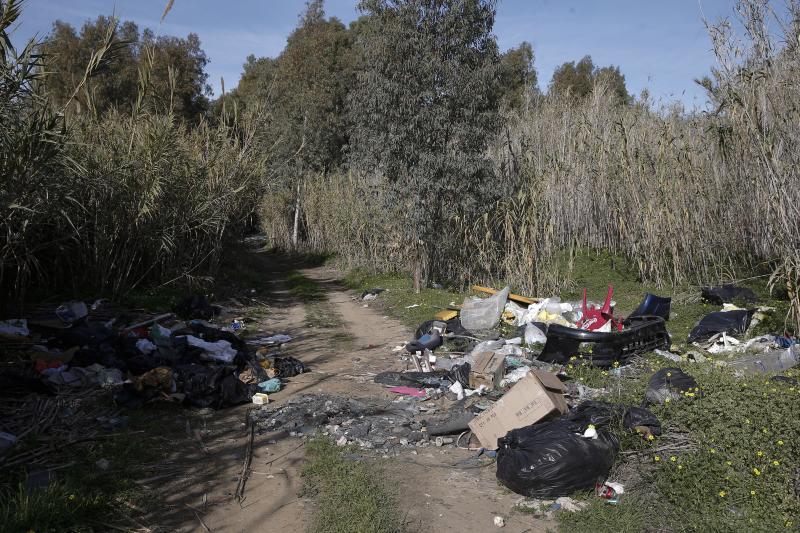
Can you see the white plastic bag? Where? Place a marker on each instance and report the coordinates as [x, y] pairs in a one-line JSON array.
[[483, 313]]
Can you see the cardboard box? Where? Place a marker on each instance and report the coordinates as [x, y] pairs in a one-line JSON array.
[[537, 396], [489, 369]]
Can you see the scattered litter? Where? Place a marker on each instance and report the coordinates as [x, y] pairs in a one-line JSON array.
[[653, 305], [271, 385], [609, 491], [18, 327], [412, 306], [268, 341], [767, 363], [221, 351], [408, 391], [71, 312], [260, 398], [499, 521]]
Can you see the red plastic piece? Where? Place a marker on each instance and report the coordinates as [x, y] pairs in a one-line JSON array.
[[594, 318]]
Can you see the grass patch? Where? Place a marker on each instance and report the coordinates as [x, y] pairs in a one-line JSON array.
[[351, 496], [305, 289], [399, 296], [84, 497], [319, 311]]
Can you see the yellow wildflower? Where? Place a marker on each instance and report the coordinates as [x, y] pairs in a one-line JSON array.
[[780, 443], [775, 463], [760, 454], [722, 493], [752, 493], [756, 471], [673, 458], [656, 458]]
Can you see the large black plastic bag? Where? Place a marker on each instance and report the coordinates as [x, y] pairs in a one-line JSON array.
[[552, 459], [601, 414], [732, 322], [669, 383]]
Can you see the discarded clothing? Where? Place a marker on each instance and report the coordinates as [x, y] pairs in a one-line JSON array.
[[731, 322], [670, 384], [727, 293], [213, 351]]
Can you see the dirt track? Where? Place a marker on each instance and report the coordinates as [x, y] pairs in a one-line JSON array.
[[198, 490]]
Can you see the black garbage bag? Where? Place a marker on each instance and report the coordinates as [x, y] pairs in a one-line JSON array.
[[727, 293], [287, 367], [607, 415], [669, 383], [196, 306], [200, 383], [732, 322], [641, 417], [551, 459]]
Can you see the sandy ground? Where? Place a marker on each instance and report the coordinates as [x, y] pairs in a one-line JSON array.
[[198, 485]]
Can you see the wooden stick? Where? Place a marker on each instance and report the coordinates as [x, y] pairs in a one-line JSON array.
[[511, 296]]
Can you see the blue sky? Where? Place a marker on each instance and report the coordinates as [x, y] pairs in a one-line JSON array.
[[661, 45]]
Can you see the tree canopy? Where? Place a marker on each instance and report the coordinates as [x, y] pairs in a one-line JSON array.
[[578, 80], [424, 106], [175, 67]]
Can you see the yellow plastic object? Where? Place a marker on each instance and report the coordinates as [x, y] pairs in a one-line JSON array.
[[445, 314]]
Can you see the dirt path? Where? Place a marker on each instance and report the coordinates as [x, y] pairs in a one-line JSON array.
[[434, 495]]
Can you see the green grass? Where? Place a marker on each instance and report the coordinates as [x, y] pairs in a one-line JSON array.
[[350, 496], [305, 289], [399, 295]]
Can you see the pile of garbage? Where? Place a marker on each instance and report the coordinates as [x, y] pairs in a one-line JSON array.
[[182, 356], [503, 361]]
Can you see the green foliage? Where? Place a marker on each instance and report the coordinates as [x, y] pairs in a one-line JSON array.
[[423, 123], [114, 202], [351, 495], [171, 68], [579, 80], [518, 79]]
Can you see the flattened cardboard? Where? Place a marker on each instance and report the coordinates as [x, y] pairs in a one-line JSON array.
[[537, 396]]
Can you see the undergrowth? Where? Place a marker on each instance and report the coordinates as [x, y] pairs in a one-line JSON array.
[[351, 496]]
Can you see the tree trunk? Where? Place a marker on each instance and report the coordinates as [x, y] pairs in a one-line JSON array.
[[417, 274], [296, 226]]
